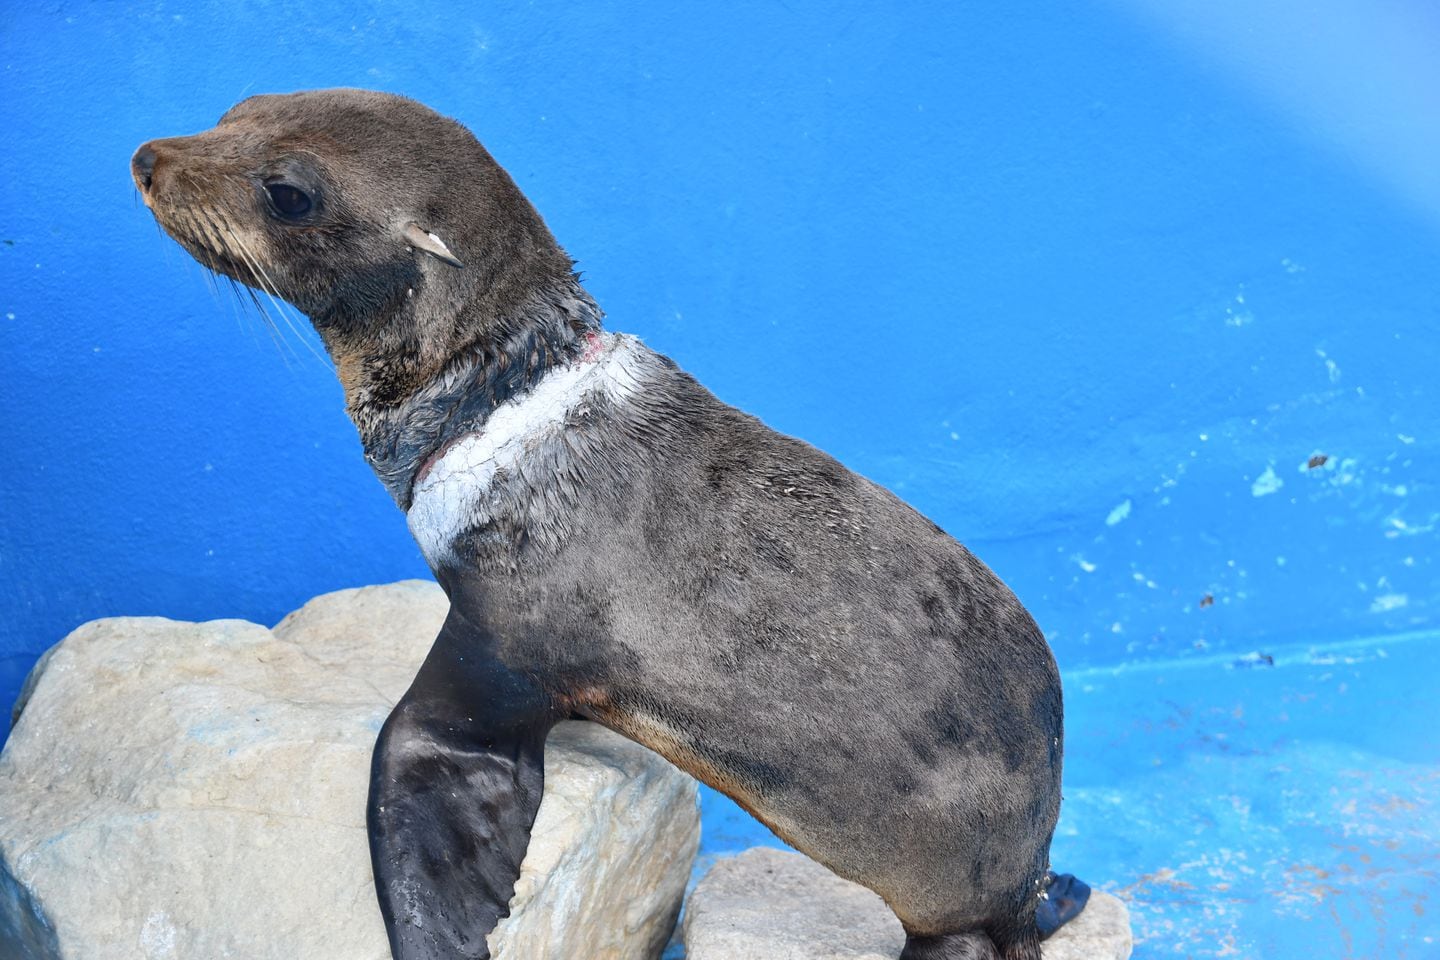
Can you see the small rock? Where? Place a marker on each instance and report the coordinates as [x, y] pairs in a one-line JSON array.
[[1101, 932], [181, 790], [767, 904]]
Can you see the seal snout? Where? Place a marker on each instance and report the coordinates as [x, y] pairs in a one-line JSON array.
[[142, 168]]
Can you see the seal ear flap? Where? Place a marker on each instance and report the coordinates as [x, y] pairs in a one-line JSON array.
[[421, 239]]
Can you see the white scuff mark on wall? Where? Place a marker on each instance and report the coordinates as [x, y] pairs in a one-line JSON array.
[[1400, 528], [1266, 483], [1389, 601], [1346, 472], [1236, 314], [1118, 514]]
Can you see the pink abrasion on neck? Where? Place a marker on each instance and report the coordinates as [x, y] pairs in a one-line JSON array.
[[593, 347]]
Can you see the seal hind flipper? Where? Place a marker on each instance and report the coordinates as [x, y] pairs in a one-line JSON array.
[[1065, 897], [455, 782]]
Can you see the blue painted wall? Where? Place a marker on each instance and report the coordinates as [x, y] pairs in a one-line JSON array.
[[1079, 287], [1089, 283]]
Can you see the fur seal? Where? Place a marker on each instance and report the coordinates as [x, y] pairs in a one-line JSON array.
[[618, 544]]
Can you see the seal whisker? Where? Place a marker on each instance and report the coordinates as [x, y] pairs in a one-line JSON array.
[[215, 294], [212, 232], [201, 224], [244, 293], [213, 246], [199, 230], [241, 317], [268, 285], [210, 281], [241, 294], [279, 333], [257, 277]]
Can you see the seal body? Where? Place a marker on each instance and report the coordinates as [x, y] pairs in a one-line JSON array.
[[619, 544]]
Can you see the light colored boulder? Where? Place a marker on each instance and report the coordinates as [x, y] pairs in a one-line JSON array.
[[181, 790], [1101, 932], [768, 904]]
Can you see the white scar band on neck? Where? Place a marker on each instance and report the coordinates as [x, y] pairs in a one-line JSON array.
[[454, 495]]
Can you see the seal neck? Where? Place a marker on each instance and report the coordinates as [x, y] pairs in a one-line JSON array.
[[402, 440]]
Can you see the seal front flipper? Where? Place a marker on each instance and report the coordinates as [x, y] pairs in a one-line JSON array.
[[455, 781]]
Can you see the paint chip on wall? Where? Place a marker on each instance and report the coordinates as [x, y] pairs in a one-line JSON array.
[[1389, 601], [1266, 483]]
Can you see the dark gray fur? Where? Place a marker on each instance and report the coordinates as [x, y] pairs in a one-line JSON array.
[[735, 599], [458, 401]]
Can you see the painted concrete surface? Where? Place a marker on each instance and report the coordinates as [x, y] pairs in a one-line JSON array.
[[1078, 286], [1136, 298], [1281, 804]]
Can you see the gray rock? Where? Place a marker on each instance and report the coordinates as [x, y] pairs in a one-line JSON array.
[[181, 790], [767, 904], [1101, 932]]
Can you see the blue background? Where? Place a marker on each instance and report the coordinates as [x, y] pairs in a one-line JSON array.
[[1088, 283]]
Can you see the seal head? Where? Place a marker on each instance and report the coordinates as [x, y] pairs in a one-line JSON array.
[[347, 185], [427, 274]]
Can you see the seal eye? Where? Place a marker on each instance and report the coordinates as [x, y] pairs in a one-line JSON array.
[[289, 202]]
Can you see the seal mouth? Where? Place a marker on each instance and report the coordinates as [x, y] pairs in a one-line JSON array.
[[208, 237]]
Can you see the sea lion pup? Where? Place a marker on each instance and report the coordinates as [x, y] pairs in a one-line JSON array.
[[619, 544]]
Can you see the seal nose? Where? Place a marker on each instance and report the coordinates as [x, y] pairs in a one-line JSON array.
[[142, 167]]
